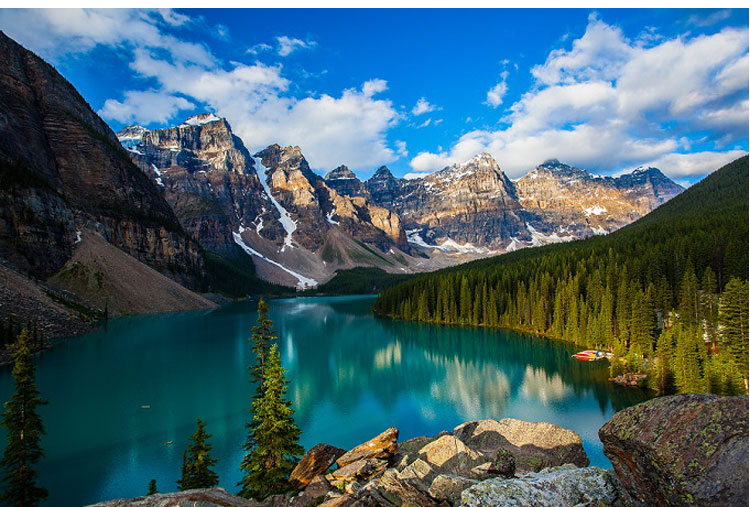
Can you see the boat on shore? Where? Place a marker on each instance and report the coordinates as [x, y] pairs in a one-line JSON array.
[[591, 355]]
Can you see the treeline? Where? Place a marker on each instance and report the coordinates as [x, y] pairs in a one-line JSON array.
[[668, 293]]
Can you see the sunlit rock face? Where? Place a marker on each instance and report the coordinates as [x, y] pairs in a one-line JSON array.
[[570, 201]]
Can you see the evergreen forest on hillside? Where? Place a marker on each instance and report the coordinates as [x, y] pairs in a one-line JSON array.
[[667, 294]]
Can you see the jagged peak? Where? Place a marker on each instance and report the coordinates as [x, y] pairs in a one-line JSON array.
[[342, 172], [201, 119], [382, 173]]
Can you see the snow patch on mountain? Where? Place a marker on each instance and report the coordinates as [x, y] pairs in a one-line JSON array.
[[303, 282], [201, 119], [595, 210], [289, 224]]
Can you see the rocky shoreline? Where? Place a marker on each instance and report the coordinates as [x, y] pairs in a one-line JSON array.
[[676, 450]]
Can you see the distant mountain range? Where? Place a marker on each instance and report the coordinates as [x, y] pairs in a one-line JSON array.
[[300, 228]]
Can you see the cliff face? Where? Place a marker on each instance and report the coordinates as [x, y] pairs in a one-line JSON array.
[[297, 228], [207, 176], [470, 203], [63, 171], [568, 200], [474, 208]]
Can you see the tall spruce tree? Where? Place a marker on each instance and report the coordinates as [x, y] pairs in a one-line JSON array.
[[274, 437], [733, 318], [24, 430], [152, 488], [197, 462]]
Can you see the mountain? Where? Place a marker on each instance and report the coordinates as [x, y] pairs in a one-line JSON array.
[[300, 228], [470, 205], [651, 288], [64, 175], [294, 224], [573, 202], [474, 207]]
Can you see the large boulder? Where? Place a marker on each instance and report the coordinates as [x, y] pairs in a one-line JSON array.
[[449, 487], [313, 494], [400, 492], [448, 454], [564, 486], [316, 461], [679, 450], [534, 445], [383, 446], [361, 470]]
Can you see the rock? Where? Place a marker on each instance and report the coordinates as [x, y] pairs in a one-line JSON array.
[[564, 486], [684, 449], [359, 470], [338, 500], [449, 454], [191, 498], [420, 471], [408, 450], [401, 492], [315, 491], [534, 445], [449, 487], [316, 461], [383, 446], [504, 464]]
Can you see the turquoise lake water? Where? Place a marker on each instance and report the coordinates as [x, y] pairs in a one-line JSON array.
[[352, 376]]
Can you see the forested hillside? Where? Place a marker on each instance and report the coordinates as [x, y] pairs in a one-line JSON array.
[[668, 293]]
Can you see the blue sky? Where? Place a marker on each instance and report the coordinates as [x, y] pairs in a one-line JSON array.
[[417, 90]]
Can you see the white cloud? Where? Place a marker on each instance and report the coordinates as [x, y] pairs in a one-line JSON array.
[[425, 123], [144, 107], [259, 48], [350, 126], [694, 164], [496, 93], [710, 19], [288, 45], [608, 102], [423, 106], [401, 148]]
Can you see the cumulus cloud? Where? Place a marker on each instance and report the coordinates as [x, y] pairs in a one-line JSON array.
[[607, 102], [348, 127], [496, 93], [259, 48], [288, 45], [401, 148], [144, 107], [423, 106]]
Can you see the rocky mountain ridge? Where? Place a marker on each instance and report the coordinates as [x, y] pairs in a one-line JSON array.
[[300, 227]]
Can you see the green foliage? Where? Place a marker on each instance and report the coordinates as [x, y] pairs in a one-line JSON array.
[[24, 430], [152, 487], [197, 462], [272, 446], [733, 320], [619, 291]]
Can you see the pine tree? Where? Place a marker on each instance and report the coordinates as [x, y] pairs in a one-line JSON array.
[[24, 429], [152, 487], [733, 318], [273, 447], [197, 462], [262, 338]]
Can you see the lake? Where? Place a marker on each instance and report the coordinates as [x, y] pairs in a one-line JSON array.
[[352, 376]]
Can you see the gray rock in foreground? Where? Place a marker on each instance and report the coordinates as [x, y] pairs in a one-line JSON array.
[[689, 449], [564, 486]]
